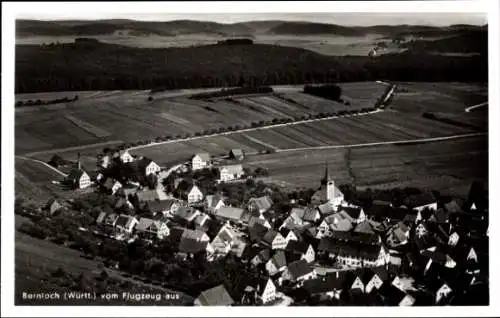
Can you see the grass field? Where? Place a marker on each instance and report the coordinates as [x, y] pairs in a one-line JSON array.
[[127, 115], [448, 166]]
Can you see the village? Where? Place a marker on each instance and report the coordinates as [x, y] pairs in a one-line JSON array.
[[328, 247]]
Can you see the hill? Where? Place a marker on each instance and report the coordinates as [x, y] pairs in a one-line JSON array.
[[102, 66], [469, 42]]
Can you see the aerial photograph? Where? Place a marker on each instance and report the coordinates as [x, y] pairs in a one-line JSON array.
[[271, 159]]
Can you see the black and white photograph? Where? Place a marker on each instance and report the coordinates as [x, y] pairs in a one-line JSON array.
[[230, 158]]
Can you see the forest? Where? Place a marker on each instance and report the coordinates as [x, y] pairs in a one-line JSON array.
[[100, 66]]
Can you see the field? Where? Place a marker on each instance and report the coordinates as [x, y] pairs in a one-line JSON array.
[[36, 258], [447, 166], [127, 115]]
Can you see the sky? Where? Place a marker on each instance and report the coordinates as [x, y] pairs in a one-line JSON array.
[[349, 19]]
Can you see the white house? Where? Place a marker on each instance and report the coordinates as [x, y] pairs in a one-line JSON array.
[[267, 293], [231, 172], [274, 240], [154, 228], [105, 161], [442, 292], [195, 195], [213, 202], [126, 223], [453, 239], [126, 157], [79, 179], [299, 271], [200, 161]]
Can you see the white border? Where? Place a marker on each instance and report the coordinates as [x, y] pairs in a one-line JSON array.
[[11, 10]]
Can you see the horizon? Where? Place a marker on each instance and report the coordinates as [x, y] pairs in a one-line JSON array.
[[353, 19]]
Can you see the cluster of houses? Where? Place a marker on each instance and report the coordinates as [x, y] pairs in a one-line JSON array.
[[329, 248]]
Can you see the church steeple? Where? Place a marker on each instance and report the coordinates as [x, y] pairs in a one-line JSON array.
[[326, 177]]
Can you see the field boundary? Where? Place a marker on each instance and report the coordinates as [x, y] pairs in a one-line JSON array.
[[44, 164], [396, 142]]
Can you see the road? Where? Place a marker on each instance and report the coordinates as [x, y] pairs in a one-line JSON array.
[[470, 108], [59, 150], [43, 163], [407, 141]]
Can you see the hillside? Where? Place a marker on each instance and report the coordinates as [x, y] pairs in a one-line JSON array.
[[470, 42], [107, 66]]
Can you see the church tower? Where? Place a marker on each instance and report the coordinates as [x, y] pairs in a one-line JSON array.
[[326, 177], [330, 191]]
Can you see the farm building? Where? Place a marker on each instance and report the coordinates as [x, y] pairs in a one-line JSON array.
[[78, 179], [236, 154], [126, 157], [231, 172], [200, 161]]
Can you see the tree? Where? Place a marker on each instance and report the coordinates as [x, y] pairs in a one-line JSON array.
[[150, 98]]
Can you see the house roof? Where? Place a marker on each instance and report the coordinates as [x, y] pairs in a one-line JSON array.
[[297, 247], [191, 245], [75, 174], [236, 152], [147, 195], [262, 203], [357, 237], [325, 283], [192, 234], [351, 211], [298, 212], [382, 211], [161, 205], [351, 249], [253, 220], [232, 169], [143, 163], [299, 268], [257, 232], [321, 195], [101, 217], [53, 205], [310, 215], [216, 296], [270, 236], [326, 208], [364, 227], [453, 206], [109, 183], [205, 156], [230, 213], [124, 220], [279, 259], [343, 225], [212, 200]]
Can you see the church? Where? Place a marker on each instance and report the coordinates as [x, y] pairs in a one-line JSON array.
[[328, 192]]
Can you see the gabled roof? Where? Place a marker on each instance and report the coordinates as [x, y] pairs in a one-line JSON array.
[[364, 227], [162, 205], [262, 203], [299, 268], [279, 259], [297, 247], [236, 152], [191, 245], [216, 296], [364, 238], [382, 211], [310, 215], [143, 163], [298, 212], [253, 220], [212, 200], [351, 249], [326, 208], [270, 236], [147, 195], [232, 169], [124, 220], [53, 205], [231, 213], [257, 232], [352, 211], [205, 156], [75, 174]]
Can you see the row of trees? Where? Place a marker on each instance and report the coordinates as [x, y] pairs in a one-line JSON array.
[[234, 91], [39, 102]]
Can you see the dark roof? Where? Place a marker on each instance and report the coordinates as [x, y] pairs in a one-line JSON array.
[[270, 236], [190, 245], [352, 211], [75, 174], [382, 211], [262, 203], [299, 268], [162, 205], [325, 284], [392, 295], [351, 249], [143, 163], [109, 183], [216, 296], [357, 237], [297, 247], [257, 232], [310, 215], [421, 199], [279, 259], [147, 195], [236, 152]]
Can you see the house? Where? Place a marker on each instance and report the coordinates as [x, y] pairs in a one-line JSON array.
[[231, 172], [147, 166], [334, 222], [213, 202], [398, 235], [78, 179], [216, 296], [126, 157], [200, 161], [152, 228], [356, 214], [254, 220], [229, 214], [442, 293], [326, 287], [257, 232], [195, 195], [236, 154], [383, 212], [127, 190], [166, 207], [453, 239], [421, 201], [261, 204], [104, 161], [260, 257], [299, 271], [289, 235], [326, 209], [126, 223], [328, 194], [186, 214], [274, 240], [276, 264], [300, 250], [353, 254], [266, 291], [111, 186], [52, 206], [374, 278], [394, 296], [311, 215], [223, 241], [201, 220], [110, 219], [147, 196], [364, 227]]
